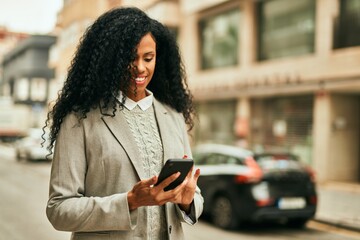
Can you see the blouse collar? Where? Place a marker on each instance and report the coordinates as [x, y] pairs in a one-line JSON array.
[[144, 103]]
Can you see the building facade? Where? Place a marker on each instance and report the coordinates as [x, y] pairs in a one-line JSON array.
[[265, 74], [26, 75], [8, 41], [278, 74]]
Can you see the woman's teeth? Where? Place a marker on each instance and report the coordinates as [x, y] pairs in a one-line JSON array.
[[139, 79]]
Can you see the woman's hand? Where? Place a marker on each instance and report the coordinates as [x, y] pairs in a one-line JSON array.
[[188, 190], [144, 193]]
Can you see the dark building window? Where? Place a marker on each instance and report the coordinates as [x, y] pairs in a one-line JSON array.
[[174, 31], [219, 39], [347, 24], [12, 87], [216, 122], [286, 28], [283, 123]]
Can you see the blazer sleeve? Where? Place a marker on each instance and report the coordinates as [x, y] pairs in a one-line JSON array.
[[198, 202], [68, 209]]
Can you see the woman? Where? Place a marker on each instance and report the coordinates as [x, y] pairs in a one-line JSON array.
[[120, 115]]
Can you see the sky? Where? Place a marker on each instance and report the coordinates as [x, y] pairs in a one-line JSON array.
[[30, 16]]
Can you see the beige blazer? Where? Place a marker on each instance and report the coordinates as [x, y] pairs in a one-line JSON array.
[[96, 162]]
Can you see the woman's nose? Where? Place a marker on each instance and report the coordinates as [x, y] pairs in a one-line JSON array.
[[139, 66]]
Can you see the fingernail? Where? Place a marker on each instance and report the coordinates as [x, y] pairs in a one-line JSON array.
[[185, 156]]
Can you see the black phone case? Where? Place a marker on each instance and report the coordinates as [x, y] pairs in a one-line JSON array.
[[172, 166]]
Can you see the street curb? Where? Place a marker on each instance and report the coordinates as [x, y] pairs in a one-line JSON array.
[[338, 225], [334, 228]]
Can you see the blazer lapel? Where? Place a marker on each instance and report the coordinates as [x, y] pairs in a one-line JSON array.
[[120, 130], [161, 115]]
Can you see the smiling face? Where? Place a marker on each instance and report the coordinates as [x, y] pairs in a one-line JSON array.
[[143, 67]]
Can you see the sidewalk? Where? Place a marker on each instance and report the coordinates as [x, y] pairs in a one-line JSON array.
[[339, 204]]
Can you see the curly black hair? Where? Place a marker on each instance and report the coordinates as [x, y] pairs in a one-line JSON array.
[[100, 68]]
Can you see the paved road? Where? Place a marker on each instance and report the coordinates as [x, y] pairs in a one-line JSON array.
[[24, 188], [23, 191]]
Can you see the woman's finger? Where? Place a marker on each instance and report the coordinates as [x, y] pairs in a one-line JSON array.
[[150, 181], [168, 180], [190, 172], [197, 174]]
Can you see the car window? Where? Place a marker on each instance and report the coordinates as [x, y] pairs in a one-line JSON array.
[[199, 159], [276, 156], [233, 160], [217, 159]]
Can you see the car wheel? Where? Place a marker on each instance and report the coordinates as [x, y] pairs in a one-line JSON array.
[[28, 156], [222, 213], [18, 156], [297, 222]]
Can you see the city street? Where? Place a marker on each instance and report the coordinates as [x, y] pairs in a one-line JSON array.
[[24, 188]]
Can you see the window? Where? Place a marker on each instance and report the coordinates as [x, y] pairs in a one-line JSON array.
[[218, 159], [219, 39], [22, 89], [296, 117], [347, 25], [215, 159], [286, 28], [174, 31], [216, 122], [38, 89], [234, 161]]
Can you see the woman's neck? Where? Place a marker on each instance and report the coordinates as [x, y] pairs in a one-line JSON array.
[[138, 96]]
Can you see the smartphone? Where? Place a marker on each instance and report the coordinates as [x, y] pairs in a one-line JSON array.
[[172, 166]]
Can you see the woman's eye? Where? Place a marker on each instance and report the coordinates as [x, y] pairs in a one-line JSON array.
[[148, 59]]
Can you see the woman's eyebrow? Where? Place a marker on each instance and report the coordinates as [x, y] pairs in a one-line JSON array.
[[150, 53]]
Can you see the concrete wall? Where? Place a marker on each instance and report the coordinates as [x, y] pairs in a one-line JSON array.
[[336, 137], [322, 133], [344, 138]]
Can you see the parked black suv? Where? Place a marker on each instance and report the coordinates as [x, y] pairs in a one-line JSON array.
[[240, 186]]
